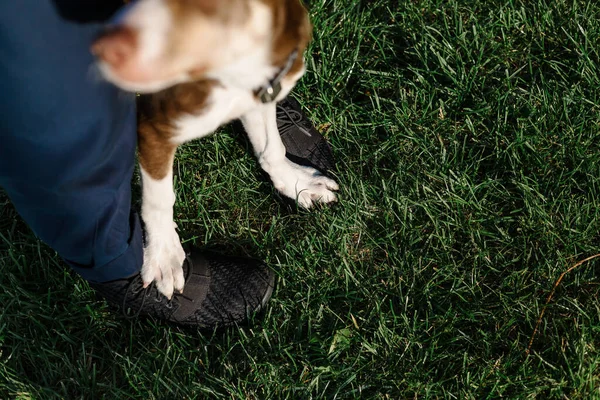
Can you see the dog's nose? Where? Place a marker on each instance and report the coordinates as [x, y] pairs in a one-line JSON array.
[[116, 46]]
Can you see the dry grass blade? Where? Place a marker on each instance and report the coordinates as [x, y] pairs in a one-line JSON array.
[[560, 278]]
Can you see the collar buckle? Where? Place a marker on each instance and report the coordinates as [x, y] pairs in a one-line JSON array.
[[269, 92]]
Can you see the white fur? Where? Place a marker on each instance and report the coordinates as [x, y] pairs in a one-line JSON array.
[[247, 68], [153, 21], [223, 105], [163, 254], [240, 68], [146, 87], [305, 184]]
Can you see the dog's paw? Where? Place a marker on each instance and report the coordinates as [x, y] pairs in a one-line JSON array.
[[305, 184], [163, 260]]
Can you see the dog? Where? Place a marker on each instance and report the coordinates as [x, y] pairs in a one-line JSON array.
[[198, 64]]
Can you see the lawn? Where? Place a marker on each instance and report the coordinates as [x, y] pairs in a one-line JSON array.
[[467, 138]]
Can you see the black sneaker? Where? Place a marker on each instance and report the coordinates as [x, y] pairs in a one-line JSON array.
[[303, 142], [219, 291]]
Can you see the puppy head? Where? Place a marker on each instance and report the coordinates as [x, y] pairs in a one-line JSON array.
[[155, 44]]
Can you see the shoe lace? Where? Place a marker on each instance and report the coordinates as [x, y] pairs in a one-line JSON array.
[[289, 118], [135, 290]]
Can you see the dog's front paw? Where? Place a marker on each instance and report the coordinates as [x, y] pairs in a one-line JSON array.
[[305, 184], [163, 260]]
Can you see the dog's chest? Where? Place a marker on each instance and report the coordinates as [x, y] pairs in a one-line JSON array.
[[222, 105]]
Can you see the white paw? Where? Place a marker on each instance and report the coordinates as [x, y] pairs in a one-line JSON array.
[[304, 184], [163, 260]]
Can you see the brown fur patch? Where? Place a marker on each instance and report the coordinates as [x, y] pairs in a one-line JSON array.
[[187, 13], [220, 9], [156, 115], [180, 8], [157, 112], [156, 152], [291, 25], [291, 30]]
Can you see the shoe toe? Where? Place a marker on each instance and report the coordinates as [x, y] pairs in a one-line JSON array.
[[224, 290]]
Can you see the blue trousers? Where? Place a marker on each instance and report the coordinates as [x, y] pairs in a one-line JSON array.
[[67, 142]]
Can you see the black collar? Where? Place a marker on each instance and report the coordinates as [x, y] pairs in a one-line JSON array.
[[269, 91]]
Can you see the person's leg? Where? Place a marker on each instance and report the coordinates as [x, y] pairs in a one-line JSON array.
[[67, 146], [67, 142]]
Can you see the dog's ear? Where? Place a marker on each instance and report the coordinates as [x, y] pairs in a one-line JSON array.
[[116, 46]]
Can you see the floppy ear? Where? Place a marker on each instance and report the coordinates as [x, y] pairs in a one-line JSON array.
[[116, 46]]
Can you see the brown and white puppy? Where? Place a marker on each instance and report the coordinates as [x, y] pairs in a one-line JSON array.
[[200, 64]]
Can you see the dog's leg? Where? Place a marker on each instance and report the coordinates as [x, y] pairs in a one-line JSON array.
[[305, 184], [163, 254]]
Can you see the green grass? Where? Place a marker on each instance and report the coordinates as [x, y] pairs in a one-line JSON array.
[[467, 136]]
